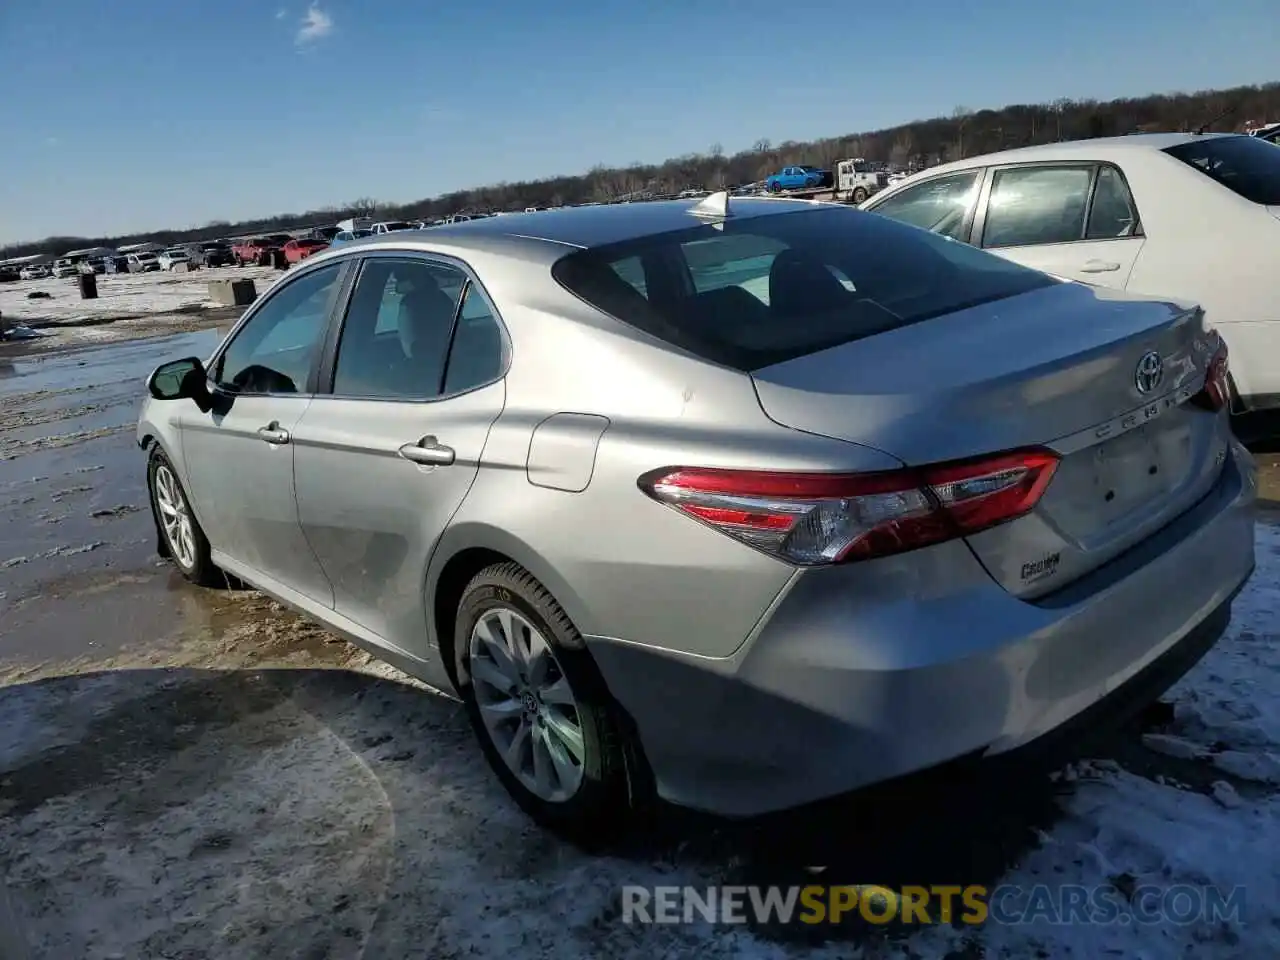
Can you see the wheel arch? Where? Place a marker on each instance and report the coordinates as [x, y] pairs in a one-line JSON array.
[[463, 552]]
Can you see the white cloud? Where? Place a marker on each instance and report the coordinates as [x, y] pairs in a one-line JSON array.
[[281, 13], [315, 24]]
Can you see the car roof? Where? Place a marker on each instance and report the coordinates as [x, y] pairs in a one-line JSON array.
[[1082, 150], [579, 227]]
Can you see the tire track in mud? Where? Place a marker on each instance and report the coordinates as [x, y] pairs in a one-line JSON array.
[[40, 408]]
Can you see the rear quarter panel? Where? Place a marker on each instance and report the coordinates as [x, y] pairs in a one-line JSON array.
[[1205, 243], [622, 565]]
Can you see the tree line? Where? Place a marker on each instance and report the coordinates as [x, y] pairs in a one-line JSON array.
[[910, 146]]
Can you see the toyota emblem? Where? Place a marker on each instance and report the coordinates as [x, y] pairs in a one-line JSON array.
[[1149, 372]]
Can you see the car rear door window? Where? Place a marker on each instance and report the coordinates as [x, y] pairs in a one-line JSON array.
[[275, 349], [1037, 205], [1113, 213], [941, 205], [395, 338]]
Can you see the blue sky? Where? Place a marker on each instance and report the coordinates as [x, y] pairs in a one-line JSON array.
[[116, 117]]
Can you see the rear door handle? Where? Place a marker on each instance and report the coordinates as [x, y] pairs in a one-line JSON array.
[[1099, 266], [428, 451], [273, 434]]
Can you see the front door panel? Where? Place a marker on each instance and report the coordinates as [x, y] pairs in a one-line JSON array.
[[242, 487]]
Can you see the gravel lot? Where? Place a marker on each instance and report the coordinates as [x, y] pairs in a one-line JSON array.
[[192, 773]]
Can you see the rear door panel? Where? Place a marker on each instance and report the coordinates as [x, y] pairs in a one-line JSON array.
[[372, 516]]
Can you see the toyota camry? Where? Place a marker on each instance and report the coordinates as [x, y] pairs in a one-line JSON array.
[[739, 503]]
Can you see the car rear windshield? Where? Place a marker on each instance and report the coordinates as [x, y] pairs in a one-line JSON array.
[[1245, 165], [751, 293]]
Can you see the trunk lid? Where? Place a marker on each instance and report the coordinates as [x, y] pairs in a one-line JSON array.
[[1057, 367]]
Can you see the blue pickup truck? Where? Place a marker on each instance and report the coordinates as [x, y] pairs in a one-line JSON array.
[[797, 178]]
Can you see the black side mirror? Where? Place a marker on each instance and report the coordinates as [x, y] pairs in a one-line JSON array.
[[181, 380]]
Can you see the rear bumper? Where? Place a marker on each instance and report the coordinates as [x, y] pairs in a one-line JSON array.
[[866, 673]]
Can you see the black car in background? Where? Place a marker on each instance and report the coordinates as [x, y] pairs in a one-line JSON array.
[[211, 254]]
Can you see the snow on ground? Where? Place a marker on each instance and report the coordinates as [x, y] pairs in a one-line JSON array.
[[120, 295], [295, 812], [1227, 721]]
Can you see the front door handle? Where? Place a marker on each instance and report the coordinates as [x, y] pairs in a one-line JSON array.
[[1099, 266], [273, 434], [428, 451]]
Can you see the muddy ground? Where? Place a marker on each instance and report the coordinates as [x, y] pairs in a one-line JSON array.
[[190, 773]]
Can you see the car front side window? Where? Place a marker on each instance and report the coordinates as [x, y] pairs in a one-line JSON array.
[[940, 205], [275, 349]]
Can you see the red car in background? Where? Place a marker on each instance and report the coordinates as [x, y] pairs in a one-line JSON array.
[[295, 251]]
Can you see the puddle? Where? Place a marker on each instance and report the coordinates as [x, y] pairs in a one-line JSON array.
[[99, 365], [71, 476]]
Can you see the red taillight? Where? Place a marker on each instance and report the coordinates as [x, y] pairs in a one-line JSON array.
[[815, 518], [1216, 393]]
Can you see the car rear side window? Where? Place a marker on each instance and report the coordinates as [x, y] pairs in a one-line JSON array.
[[1244, 165], [475, 356], [1112, 214], [753, 292]]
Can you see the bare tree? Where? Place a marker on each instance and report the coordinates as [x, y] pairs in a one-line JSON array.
[[1059, 108], [961, 115], [900, 152], [763, 145], [364, 206]]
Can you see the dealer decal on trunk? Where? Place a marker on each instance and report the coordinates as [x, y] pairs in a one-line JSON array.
[[1044, 567]]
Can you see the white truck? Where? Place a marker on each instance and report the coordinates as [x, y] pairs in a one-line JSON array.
[[355, 223], [857, 179]]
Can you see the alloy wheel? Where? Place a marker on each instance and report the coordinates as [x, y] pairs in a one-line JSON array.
[[175, 517], [526, 704]]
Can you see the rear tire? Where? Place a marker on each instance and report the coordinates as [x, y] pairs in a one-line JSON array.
[[180, 538], [774, 188], [534, 695]]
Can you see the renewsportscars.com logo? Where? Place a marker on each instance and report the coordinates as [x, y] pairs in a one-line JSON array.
[[973, 905]]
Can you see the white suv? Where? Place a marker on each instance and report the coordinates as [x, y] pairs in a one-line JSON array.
[[171, 258]]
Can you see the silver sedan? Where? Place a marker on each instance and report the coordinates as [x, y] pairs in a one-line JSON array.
[[742, 503]]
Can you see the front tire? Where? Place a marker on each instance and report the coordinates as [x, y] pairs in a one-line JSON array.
[[544, 717], [180, 537], [859, 195]]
